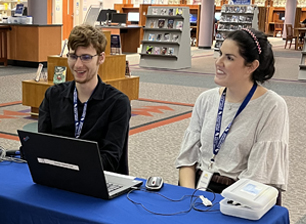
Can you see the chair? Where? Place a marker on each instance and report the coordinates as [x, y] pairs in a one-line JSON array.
[[278, 27], [123, 163], [290, 36]]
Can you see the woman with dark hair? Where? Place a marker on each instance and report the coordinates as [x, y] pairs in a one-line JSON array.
[[240, 130]]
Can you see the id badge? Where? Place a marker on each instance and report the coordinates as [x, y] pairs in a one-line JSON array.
[[204, 180]]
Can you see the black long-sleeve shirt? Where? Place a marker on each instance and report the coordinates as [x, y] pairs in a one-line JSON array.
[[106, 121]]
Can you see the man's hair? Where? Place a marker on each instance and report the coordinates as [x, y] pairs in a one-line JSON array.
[[85, 35]]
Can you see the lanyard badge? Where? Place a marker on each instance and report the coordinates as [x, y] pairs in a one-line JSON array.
[[78, 123], [218, 140]]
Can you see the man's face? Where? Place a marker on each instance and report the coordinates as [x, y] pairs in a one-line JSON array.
[[86, 69]]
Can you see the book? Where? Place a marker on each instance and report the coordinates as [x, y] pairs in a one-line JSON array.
[[171, 13], [149, 49], [151, 36], [152, 23], [179, 11], [156, 50], [38, 72], [170, 23], [163, 12], [249, 9], [127, 69], [171, 51], [59, 74], [179, 25], [161, 23], [64, 47], [158, 37], [166, 36], [164, 51], [154, 11], [175, 38]]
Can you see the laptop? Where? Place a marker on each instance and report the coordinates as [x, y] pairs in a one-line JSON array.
[[71, 164]]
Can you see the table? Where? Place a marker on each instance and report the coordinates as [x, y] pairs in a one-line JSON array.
[[22, 201], [300, 37], [3, 43], [129, 35]]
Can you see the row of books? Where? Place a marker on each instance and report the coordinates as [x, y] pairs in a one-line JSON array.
[[237, 9], [159, 50], [234, 18], [169, 12], [163, 37], [233, 26], [59, 75], [161, 23]]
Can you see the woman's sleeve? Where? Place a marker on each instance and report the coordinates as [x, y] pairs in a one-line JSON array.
[[268, 161], [190, 147]]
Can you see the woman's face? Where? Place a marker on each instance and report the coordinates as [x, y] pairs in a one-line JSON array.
[[230, 66]]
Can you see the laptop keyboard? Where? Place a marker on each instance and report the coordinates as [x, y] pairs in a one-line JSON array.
[[111, 187]]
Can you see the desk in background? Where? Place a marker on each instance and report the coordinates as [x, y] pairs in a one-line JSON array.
[[300, 37], [129, 35], [22, 201]]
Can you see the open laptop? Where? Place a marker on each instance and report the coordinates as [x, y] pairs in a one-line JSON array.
[[71, 164]]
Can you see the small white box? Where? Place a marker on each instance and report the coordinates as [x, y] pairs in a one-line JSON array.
[[248, 199]]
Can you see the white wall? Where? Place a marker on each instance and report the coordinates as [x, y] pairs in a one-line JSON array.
[[57, 10]]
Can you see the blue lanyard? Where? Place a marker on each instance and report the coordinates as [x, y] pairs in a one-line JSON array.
[[78, 124], [218, 141]]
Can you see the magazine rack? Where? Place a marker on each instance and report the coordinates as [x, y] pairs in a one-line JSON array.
[[166, 39], [302, 71], [235, 17]]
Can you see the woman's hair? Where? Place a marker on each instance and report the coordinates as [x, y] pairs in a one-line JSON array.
[[86, 35], [254, 45]]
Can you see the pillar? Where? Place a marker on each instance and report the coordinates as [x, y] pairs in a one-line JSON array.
[[206, 24], [289, 14], [38, 9]]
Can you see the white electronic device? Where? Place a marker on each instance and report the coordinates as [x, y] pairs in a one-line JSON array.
[[248, 199]]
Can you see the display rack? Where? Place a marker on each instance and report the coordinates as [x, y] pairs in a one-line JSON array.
[[235, 17], [166, 39], [302, 72]]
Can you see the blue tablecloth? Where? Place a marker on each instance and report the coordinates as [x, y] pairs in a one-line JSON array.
[[22, 201]]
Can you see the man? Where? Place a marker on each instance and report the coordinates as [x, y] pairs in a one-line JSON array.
[[87, 108]]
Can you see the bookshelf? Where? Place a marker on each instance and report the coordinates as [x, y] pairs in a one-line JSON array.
[[235, 17], [166, 39], [302, 71]]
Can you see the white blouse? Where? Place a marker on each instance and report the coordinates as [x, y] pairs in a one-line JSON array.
[[256, 146]]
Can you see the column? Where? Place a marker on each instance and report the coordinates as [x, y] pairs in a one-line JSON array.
[[289, 14], [38, 9], [206, 24]]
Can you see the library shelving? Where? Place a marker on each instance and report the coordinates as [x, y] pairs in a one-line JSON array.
[[166, 38], [302, 71], [235, 17]]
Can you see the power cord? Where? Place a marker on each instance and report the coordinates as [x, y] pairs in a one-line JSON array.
[[193, 202], [4, 157]]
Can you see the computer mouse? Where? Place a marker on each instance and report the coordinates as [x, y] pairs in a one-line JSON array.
[[154, 183]]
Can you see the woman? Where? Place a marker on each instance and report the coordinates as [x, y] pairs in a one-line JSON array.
[[240, 130]]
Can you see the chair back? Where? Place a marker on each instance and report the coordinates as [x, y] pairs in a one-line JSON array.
[[289, 30], [124, 163]]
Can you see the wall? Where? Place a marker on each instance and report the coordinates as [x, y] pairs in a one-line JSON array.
[[57, 9]]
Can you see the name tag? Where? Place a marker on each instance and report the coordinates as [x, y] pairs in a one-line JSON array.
[[204, 180]]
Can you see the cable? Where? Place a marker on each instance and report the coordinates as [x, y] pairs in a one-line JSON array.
[[192, 204], [4, 157]]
